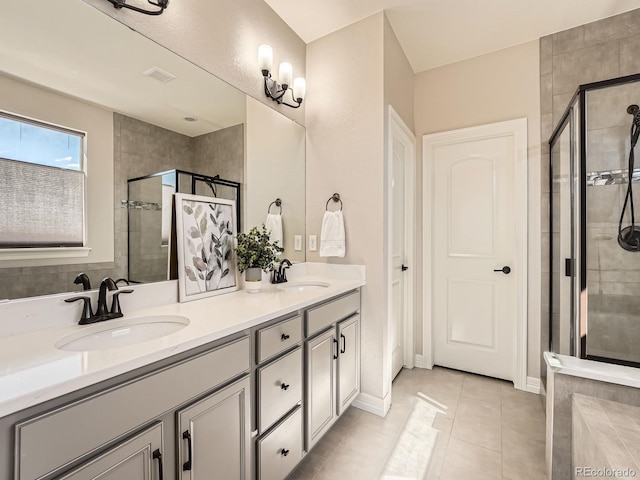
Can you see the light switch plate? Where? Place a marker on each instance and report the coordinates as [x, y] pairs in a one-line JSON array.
[[313, 243], [297, 243]]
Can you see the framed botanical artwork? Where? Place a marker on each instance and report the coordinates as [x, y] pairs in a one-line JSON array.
[[205, 231]]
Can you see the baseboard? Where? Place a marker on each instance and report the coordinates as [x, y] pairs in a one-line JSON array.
[[371, 404], [533, 385]]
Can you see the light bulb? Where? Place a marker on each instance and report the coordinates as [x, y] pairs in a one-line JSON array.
[[285, 74], [265, 58], [299, 88]]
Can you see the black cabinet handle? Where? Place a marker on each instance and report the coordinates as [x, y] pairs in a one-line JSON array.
[[506, 270], [158, 456], [344, 343], [404, 268], [284, 386], [284, 337], [335, 343], [284, 452], [187, 436]]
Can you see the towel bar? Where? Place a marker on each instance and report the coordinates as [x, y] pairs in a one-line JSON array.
[[336, 198], [278, 203]]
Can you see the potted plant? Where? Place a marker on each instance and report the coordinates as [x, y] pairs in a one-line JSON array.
[[256, 254]]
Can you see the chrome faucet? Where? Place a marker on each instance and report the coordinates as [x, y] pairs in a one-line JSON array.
[[280, 275], [102, 313]]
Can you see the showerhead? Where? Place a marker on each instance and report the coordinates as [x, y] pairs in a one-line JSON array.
[[635, 111]]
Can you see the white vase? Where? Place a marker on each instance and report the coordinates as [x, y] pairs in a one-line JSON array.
[[253, 280]]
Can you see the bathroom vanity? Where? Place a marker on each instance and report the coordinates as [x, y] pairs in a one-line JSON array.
[[243, 391]]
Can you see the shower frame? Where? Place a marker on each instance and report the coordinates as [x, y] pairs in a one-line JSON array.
[[579, 314]]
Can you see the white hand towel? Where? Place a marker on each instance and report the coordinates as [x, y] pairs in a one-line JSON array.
[[332, 237], [274, 227]]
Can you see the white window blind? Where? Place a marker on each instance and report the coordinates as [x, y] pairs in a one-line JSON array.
[[42, 185]]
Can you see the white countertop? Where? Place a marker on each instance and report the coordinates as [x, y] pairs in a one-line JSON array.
[[33, 370]]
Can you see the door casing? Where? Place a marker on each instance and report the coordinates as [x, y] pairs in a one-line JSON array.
[[518, 130]]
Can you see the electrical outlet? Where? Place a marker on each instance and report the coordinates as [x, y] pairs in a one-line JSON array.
[[313, 243], [297, 243]]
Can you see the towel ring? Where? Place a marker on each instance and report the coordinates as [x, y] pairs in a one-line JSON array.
[[278, 203], [336, 198]]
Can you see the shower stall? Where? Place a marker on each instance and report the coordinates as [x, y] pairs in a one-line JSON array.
[[594, 297], [151, 231]]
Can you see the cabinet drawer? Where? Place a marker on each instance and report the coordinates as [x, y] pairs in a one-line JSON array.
[[48, 443], [280, 388], [277, 338], [321, 317], [281, 450]]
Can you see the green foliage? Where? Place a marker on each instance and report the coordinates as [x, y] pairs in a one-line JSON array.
[[256, 251]]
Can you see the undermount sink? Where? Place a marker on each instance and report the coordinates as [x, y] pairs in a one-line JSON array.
[[122, 332], [302, 286]]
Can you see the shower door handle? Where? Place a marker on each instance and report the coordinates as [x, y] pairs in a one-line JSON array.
[[506, 270]]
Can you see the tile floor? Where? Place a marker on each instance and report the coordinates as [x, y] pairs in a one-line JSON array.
[[490, 431]]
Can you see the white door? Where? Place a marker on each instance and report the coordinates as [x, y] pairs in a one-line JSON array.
[[402, 153], [474, 240]]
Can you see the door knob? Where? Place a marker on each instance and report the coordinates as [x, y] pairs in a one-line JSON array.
[[506, 270]]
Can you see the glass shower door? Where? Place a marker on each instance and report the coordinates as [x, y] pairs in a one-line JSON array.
[[563, 281]]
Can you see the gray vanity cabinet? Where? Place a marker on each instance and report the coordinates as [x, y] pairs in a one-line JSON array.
[[332, 363], [348, 362], [213, 437], [139, 458], [321, 353], [279, 399]]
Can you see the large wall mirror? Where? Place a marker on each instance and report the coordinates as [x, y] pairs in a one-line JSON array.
[[144, 111]]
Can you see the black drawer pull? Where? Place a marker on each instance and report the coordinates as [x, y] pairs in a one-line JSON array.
[[335, 343], [284, 386], [344, 343], [284, 337], [284, 452], [158, 456], [187, 436]]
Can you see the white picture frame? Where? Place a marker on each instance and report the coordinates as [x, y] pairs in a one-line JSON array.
[[206, 235]]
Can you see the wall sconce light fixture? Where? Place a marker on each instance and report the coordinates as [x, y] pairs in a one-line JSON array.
[[274, 90], [161, 4]]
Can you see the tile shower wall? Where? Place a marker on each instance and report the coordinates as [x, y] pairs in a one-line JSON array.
[[597, 51], [139, 149], [612, 272]]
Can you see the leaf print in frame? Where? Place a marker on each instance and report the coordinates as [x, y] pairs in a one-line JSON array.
[[205, 234]]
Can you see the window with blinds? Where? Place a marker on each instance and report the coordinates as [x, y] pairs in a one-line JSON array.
[[42, 184]]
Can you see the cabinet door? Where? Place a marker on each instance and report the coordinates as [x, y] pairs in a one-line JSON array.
[[348, 362], [321, 354], [214, 435], [139, 458]]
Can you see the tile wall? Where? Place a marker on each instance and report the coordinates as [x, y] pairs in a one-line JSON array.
[[597, 51]]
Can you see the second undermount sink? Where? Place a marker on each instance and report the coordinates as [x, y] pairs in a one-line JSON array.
[[303, 286], [122, 332]]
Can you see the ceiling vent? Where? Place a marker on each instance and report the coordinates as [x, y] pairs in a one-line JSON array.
[[159, 74]]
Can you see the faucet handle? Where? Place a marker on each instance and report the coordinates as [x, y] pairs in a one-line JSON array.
[[87, 311], [115, 302]]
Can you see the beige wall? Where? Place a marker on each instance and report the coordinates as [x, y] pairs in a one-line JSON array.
[[223, 38], [345, 142], [27, 100], [398, 77], [499, 86]]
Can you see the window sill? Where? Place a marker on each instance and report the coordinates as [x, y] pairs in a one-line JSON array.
[[37, 253]]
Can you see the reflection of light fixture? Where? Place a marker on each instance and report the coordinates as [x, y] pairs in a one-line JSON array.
[[276, 91], [161, 4]]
